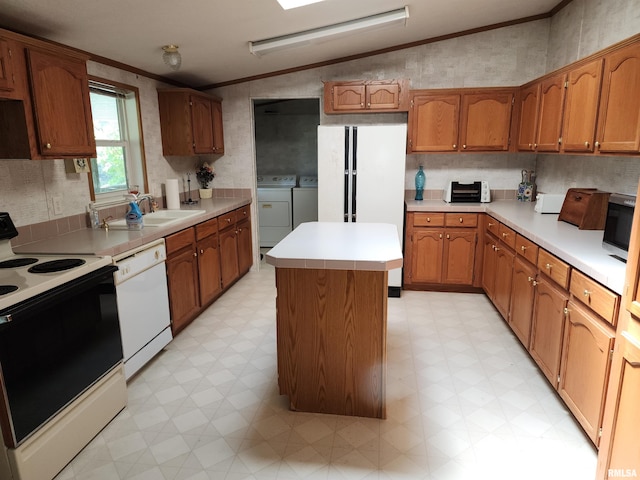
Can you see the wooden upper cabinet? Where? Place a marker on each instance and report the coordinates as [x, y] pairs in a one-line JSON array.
[[366, 96], [433, 123], [7, 79], [190, 121], [529, 99], [486, 121], [619, 123], [581, 110], [60, 93], [549, 128]]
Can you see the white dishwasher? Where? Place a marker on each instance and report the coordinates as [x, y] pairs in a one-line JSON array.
[[143, 304]]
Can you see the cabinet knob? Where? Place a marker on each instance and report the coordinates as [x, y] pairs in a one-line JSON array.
[[548, 266], [195, 254], [448, 237], [586, 293], [505, 234], [362, 104], [48, 146], [228, 220], [523, 248], [493, 246], [531, 145], [597, 144], [565, 311], [428, 219], [464, 146], [201, 252], [586, 144], [529, 279], [535, 145], [534, 283], [460, 219], [490, 224], [368, 104], [455, 146], [440, 235]]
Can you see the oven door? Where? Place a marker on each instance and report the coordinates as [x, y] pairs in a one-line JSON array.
[[53, 347]]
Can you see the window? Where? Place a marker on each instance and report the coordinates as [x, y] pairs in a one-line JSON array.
[[120, 155]]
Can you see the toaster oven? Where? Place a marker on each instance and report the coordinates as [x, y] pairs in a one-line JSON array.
[[473, 192]]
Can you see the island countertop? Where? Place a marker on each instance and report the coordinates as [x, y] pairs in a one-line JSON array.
[[339, 246]]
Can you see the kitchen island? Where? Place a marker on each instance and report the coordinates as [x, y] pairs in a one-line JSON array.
[[331, 281]]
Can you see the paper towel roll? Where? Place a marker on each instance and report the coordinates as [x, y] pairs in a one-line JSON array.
[[173, 194]]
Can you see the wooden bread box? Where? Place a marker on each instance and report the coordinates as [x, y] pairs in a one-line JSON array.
[[585, 207]]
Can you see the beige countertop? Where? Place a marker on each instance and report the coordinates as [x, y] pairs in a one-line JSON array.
[[113, 242], [582, 249], [339, 246]]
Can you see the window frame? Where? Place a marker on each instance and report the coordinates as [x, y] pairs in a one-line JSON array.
[[126, 124]]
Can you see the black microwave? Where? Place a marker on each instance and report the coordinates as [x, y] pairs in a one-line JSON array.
[[617, 228]]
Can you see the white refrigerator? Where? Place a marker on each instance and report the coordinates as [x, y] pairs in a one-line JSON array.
[[361, 178]]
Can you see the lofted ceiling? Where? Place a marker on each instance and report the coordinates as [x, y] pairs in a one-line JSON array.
[[214, 35]]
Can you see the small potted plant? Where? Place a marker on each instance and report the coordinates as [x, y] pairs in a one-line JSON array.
[[205, 174]]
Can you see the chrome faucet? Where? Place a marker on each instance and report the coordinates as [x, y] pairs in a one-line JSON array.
[[150, 201]]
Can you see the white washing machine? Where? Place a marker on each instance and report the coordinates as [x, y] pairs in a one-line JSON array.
[[275, 212], [305, 200]]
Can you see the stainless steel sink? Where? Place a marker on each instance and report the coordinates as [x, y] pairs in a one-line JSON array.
[[161, 218]]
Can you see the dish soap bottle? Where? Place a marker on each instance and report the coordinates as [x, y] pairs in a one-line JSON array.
[[134, 217], [420, 180]]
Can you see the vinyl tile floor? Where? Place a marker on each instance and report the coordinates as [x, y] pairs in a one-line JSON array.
[[464, 402]]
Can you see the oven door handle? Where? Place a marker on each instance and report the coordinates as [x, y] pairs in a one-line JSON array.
[[41, 302]]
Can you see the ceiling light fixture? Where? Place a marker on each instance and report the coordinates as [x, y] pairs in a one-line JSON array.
[[288, 4], [316, 35], [172, 57]]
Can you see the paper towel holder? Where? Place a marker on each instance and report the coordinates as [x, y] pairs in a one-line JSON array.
[[189, 201]]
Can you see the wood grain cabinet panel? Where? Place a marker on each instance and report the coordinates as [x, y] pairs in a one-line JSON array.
[[229, 256], [366, 96], [547, 328], [489, 265], [60, 95], [522, 299], [619, 122], [209, 279], [584, 374], [202, 124], [552, 99], [184, 298], [433, 123], [245, 253], [581, 110], [7, 80], [485, 123], [428, 252], [527, 129], [503, 282], [459, 257]]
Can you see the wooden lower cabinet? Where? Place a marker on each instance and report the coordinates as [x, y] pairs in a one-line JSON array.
[[497, 273], [584, 374], [522, 299], [548, 326], [489, 265], [184, 297], [245, 250], [209, 269], [229, 256]]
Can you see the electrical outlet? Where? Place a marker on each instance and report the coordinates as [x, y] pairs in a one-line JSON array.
[[57, 204]]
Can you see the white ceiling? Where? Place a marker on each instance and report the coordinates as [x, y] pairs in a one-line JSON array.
[[213, 35]]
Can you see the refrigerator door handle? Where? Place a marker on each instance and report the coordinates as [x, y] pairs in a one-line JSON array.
[[354, 159], [346, 174]]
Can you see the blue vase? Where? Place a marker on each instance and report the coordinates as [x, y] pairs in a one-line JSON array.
[[420, 181]]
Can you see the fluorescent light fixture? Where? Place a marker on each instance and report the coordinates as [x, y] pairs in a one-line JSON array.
[[316, 35], [289, 4]]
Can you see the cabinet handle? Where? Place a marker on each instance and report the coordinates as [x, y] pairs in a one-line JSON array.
[[362, 104], [529, 279], [228, 220], [586, 144], [586, 292], [530, 145], [460, 219], [368, 104], [534, 283], [455, 146], [523, 248], [464, 146], [548, 266], [428, 219], [201, 252], [504, 234], [597, 144], [535, 145], [490, 224], [440, 235], [493, 246], [48, 146], [448, 237], [497, 249], [565, 310], [195, 254]]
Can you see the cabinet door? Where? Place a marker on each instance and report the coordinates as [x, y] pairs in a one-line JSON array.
[[528, 117], [184, 300], [348, 97], [383, 97], [583, 95], [584, 374], [428, 248], [245, 254], [218, 132], [547, 328], [202, 124], [433, 123], [60, 90], [209, 269], [489, 265], [503, 275], [229, 256], [522, 297], [459, 257], [620, 104], [486, 121], [6, 67], [549, 130], [623, 452]]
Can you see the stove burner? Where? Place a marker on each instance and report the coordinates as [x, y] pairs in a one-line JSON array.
[[17, 262], [56, 265], [4, 289]]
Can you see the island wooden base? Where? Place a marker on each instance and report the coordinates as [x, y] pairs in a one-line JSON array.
[[332, 329]]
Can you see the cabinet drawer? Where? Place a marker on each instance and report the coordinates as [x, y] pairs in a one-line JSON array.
[[180, 240], [526, 248], [600, 299], [492, 225], [553, 267], [227, 219], [428, 219], [507, 235], [206, 229], [242, 213], [461, 220]]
